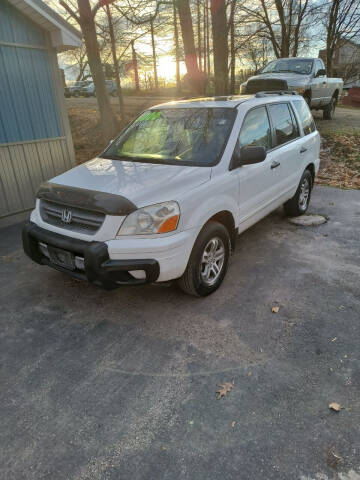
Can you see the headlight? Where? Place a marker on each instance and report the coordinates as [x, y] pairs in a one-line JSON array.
[[159, 218]]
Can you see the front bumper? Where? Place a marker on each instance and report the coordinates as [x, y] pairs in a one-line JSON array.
[[99, 269]]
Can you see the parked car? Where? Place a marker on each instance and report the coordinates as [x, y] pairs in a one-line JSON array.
[[168, 197], [89, 90], [74, 89], [305, 75]]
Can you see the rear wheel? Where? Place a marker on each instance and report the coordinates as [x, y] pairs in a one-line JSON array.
[[299, 203], [208, 261], [329, 109]]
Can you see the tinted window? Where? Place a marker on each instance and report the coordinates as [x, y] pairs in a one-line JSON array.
[[305, 116], [283, 122], [256, 129]]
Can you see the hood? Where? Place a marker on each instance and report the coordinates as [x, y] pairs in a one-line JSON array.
[[141, 183], [291, 78]]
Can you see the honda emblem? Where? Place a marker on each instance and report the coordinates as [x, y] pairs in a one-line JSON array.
[[66, 216]]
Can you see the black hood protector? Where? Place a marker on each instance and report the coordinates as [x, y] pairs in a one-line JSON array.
[[107, 203]]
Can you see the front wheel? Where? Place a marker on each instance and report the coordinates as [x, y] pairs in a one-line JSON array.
[[329, 109], [299, 203], [208, 261]]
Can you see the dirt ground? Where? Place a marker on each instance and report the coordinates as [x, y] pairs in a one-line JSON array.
[[340, 158]]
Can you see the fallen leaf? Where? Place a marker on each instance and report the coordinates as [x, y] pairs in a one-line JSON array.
[[233, 424], [334, 459], [335, 406], [275, 309], [224, 389]]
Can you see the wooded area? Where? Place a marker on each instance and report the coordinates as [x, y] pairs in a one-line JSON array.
[[218, 41]]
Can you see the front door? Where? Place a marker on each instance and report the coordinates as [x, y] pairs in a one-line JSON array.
[[258, 182]]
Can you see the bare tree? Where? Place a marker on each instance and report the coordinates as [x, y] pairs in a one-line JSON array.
[[220, 45], [342, 24], [232, 45], [85, 17], [177, 52], [196, 80], [115, 60], [282, 22]]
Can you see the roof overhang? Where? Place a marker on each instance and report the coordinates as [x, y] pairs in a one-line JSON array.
[[63, 35]]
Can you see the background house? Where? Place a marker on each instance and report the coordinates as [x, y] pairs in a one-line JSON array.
[[35, 138], [346, 62]]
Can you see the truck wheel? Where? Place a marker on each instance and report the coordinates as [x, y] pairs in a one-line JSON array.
[[329, 109], [298, 204], [208, 261]]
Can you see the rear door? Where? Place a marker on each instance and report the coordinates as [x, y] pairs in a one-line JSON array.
[[259, 182], [310, 143], [288, 146]]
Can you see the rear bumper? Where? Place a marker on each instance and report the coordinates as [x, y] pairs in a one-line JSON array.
[[99, 268]]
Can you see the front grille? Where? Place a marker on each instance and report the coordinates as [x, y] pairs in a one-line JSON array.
[[82, 221], [265, 85]]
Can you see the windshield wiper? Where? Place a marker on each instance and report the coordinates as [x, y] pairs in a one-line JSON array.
[[143, 158]]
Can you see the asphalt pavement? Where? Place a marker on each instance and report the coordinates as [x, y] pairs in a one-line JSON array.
[[122, 384]]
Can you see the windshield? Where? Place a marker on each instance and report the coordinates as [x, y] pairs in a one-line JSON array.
[[180, 136], [293, 65]]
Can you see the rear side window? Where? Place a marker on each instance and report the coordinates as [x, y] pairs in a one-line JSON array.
[[305, 116], [255, 130], [284, 123]]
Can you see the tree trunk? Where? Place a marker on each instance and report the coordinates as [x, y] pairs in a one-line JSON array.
[[199, 33], [207, 37], [232, 47], [87, 24], [205, 43], [115, 62], [154, 54], [220, 45], [177, 55], [135, 66], [195, 78]]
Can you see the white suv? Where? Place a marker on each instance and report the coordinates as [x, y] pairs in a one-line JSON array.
[[169, 195]]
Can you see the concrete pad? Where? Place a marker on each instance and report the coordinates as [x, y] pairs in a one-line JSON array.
[[308, 220]]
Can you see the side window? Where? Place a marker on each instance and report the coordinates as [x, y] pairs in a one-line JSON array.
[[283, 122], [318, 66], [255, 130], [305, 116]]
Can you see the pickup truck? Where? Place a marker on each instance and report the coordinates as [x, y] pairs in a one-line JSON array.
[[305, 75], [167, 198]]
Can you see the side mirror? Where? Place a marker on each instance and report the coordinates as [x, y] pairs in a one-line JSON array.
[[251, 155], [320, 73]]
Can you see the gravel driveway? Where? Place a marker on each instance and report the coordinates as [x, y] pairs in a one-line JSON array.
[[121, 385]]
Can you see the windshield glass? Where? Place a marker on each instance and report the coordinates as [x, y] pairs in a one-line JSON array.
[[194, 136], [293, 65]]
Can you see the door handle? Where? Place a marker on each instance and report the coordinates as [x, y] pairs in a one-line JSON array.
[[274, 164], [303, 150]]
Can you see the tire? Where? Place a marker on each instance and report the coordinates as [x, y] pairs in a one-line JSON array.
[[329, 110], [307, 99], [299, 203], [197, 279]]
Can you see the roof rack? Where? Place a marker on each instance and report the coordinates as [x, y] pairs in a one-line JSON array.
[[276, 92]]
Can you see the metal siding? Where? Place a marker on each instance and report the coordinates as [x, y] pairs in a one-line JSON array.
[[23, 167], [28, 108], [17, 28]]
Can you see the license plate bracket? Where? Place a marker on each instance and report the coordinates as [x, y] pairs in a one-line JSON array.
[[63, 258]]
